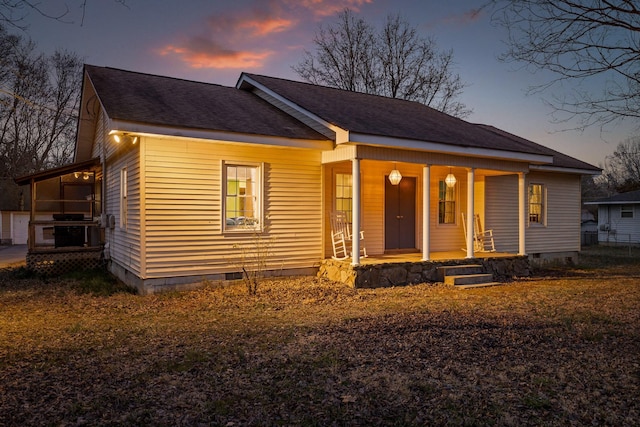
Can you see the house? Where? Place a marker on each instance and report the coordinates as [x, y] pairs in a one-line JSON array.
[[619, 219], [187, 174]]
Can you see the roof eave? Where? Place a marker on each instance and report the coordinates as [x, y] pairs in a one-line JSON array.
[[143, 129], [439, 147], [579, 171], [62, 170]]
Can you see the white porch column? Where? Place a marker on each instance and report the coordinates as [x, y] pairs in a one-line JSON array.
[[355, 221], [470, 217], [426, 212], [522, 199]]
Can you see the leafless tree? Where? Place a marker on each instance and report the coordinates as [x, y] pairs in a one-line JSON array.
[[14, 12], [395, 61], [594, 43], [39, 97], [622, 168]]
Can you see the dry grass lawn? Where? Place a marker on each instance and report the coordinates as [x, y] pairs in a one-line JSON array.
[[559, 349]]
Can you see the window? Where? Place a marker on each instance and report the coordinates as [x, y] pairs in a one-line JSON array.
[[536, 204], [626, 211], [446, 204], [242, 200], [123, 198], [344, 196]]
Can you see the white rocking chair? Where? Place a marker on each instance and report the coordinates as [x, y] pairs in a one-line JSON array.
[[482, 239], [341, 235]]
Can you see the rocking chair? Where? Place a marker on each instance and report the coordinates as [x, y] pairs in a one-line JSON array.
[[482, 239], [341, 235]]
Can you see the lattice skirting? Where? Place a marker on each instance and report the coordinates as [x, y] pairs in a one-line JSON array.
[[56, 263]]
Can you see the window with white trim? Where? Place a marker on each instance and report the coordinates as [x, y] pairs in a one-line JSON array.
[[344, 194], [537, 198], [242, 187], [446, 203], [124, 189], [626, 211]]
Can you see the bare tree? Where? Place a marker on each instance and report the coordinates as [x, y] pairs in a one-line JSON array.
[[14, 12], [395, 61], [39, 97], [622, 168], [585, 41]]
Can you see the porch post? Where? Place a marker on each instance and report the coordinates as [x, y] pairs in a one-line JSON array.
[[470, 218], [355, 222], [522, 198], [426, 212]]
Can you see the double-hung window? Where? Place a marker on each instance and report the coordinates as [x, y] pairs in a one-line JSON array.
[[536, 204], [446, 203], [626, 211], [344, 196], [242, 187]]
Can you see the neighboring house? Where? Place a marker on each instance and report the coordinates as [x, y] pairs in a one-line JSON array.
[[13, 227], [619, 219], [185, 175]]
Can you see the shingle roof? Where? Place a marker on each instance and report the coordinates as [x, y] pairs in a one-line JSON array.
[[165, 101], [382, 116], [628, 197]]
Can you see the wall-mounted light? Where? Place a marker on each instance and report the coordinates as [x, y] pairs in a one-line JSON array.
[[450, 180], [85, 176], [395, 176], [125, 138]]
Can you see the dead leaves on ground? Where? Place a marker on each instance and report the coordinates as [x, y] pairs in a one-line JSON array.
[[559, 351]]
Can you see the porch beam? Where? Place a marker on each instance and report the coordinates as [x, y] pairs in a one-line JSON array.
[[470, 218], [522, 197], [426, 212], [355, 222]]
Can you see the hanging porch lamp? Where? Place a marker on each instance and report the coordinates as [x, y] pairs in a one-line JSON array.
[[395, 176], [450, 180]]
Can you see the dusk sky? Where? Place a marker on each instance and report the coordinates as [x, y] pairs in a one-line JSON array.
[[214, 41]]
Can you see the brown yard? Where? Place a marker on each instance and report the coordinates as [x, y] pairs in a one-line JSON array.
[[559, 349]]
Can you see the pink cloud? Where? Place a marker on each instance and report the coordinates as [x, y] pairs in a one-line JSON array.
[[250, 37], [324, 8], [203, 53]]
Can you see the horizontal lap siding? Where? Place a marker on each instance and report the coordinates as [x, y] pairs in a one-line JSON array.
[[562, 230], [125, 247], [184, 210], [501, 211]]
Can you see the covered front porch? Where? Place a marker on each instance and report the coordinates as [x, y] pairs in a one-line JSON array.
[[426, 214]]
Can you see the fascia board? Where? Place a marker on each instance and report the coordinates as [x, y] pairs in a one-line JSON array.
[[164, 131], [439, 147]]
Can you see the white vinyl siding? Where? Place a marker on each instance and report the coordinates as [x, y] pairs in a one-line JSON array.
[[616, 229], [124, 243], [562, 225], [184, 211], [562, 230]]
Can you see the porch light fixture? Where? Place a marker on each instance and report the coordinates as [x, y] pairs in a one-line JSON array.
[[450, 180], [125, 138], [395, 176]]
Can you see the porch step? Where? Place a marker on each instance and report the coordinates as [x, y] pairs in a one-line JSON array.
[[466, 276], [468, 279], [458, 270]]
